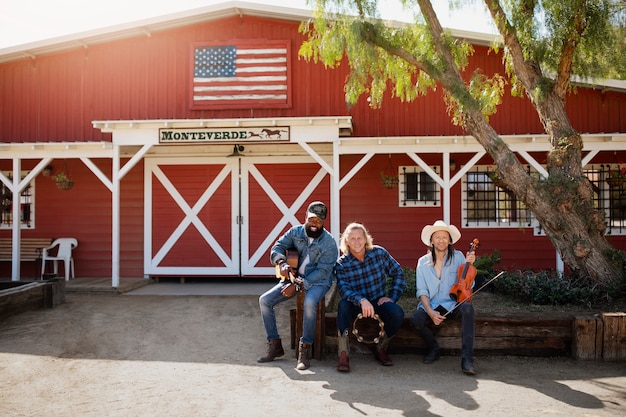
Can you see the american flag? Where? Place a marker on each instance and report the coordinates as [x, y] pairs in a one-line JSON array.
[[242, 75]]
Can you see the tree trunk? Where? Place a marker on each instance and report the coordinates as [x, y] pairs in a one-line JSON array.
[[563, 204]]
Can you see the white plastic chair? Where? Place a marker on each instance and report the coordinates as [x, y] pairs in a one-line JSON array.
[[63, 253]]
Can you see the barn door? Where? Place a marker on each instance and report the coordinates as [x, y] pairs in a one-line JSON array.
[[189, 211], [222, 218], [276, 192]]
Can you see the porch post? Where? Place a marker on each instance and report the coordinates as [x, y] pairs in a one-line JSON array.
[[335, 201], [15, 226], [115, 221], [446, 187]]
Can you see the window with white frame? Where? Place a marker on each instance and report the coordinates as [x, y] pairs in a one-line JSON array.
[[489, 204], [26, 202], [417, 188], [609, 194]]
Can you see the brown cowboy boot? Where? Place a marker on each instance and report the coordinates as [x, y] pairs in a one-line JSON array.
[[381, 352], [343, 340], [304, 355], [274, 350]]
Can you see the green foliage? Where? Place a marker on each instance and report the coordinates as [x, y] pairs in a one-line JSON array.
[[547, 28], [401, 58], [485, 264], [409, 277], [61, 177], [550, 288]]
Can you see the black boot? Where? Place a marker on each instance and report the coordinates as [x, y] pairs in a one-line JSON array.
[[432, 355], [467, 366], [274, 350]]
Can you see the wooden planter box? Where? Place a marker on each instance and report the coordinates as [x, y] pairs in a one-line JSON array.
[[601, 337], [593, 337], [18, 297]]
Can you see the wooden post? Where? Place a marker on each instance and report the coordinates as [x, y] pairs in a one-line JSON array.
[[587, 338], [614, 340]]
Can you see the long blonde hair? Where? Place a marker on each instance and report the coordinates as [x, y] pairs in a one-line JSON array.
[[369, 241]]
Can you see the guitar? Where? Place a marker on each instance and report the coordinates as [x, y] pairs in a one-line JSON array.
[[292, 261]]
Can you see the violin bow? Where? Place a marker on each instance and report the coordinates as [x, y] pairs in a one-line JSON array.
[[474, 293]]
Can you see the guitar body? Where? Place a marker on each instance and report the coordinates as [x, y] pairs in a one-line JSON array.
[[292, 260]]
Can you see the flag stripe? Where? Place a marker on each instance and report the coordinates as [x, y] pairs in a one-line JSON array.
[[232, 74]]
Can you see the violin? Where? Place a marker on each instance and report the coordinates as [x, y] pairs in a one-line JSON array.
[[466, 274]]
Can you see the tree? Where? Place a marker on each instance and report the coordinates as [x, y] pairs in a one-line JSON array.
[[544, 43]]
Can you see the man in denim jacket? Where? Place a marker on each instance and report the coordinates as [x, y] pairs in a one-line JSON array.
[[317, 253]]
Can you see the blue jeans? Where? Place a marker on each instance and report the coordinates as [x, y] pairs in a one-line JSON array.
[[273, 296], [390, 313]]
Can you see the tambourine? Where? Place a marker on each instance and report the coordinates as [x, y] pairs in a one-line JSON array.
[[367, 328]]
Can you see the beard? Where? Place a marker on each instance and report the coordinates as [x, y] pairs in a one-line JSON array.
[[314, 234]]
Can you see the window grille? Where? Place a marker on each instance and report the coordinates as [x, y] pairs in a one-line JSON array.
[[26, 202], [417, 188], [609, 194], [486, 204], [489, 205]]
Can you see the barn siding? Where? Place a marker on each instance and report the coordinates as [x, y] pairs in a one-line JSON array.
[[56, 98]]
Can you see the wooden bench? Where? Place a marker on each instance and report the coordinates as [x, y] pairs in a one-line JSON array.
[[520, 336], [30, 249]]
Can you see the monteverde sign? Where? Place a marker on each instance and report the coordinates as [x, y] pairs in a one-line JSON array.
[[212, 135]]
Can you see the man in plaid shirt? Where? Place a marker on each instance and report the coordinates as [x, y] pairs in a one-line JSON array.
[[362, 273]]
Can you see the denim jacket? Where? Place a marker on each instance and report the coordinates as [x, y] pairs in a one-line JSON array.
[[322, 251]]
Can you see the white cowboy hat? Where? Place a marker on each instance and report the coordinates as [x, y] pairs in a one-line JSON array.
[[428, 231]]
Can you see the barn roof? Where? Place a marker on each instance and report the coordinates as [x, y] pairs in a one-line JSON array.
[[146, 27]]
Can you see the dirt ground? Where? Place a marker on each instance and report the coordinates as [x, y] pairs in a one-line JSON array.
[[120, 355]]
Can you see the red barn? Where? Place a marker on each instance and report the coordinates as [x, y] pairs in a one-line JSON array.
[[184, 167]]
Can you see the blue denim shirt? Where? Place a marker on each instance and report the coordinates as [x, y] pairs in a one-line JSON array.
[[322, 251], [437, 290]]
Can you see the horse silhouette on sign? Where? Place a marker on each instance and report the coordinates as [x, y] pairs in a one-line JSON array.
[[273, 134]]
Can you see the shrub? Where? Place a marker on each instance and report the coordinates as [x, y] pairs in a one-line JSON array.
[[547, 288], [485, 264], [409, 277]]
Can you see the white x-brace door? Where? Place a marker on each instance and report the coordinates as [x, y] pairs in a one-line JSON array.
[[220, 216]]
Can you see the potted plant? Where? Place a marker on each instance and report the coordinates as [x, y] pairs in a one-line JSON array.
[[388, 181], [616, 178], [63, 181]]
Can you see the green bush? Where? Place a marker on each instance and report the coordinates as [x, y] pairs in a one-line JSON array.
[[548, 288], [485, 264], [409, 277]]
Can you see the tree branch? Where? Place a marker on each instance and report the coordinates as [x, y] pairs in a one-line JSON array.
[[564, 71], [528, 72]]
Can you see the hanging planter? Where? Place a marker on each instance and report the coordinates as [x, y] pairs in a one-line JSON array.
[[388, 181], [388, 177], [614, 181], [63, 179], [63, 182], [616, 178]]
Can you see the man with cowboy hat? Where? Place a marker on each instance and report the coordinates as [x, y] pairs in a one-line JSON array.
[[435, 275]]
